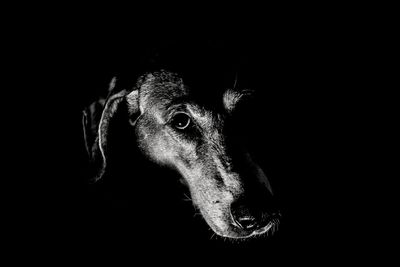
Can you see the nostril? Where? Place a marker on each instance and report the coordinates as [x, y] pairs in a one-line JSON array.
[[242, 216], [246, 222]]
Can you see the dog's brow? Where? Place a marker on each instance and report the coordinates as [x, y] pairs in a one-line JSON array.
[[177, 102], [184, 105], [171, 109]]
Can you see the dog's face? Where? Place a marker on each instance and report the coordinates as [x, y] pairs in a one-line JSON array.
[[202, 143]]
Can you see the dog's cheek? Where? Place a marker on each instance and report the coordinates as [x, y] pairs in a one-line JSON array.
[[156, 145], [145, 137]]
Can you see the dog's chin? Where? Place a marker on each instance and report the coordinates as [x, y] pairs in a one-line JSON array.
[[231, 230]]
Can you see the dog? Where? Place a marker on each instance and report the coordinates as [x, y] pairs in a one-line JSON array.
[[198, 137]]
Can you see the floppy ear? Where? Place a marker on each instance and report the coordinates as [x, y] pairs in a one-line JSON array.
[[111, 108], [132, 100], [97, 120], [91, 118], [113, 105]]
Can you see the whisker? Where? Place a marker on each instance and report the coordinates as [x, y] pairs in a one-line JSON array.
[[187, 198], [196, 214], [212, 236]]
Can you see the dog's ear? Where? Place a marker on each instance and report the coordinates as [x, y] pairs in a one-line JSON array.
[[132, 100], [99, 118], [91, 118], [112, 107], [232, 97]]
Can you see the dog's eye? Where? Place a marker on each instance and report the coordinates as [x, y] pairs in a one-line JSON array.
[[181, 121]]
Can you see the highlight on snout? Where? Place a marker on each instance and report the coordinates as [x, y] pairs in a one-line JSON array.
[[226, 214]]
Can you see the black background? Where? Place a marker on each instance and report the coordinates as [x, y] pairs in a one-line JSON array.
[[308, 70]]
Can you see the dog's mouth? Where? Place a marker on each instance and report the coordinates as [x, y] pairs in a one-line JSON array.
[[228, 227], [271, 227], [267, 226]]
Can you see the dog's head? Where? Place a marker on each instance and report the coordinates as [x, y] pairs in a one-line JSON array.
[[176, 127]]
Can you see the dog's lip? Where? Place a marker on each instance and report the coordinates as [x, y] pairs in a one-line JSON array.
[[272, 222]]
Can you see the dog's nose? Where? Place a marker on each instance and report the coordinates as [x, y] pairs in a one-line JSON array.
[[243, 217]]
